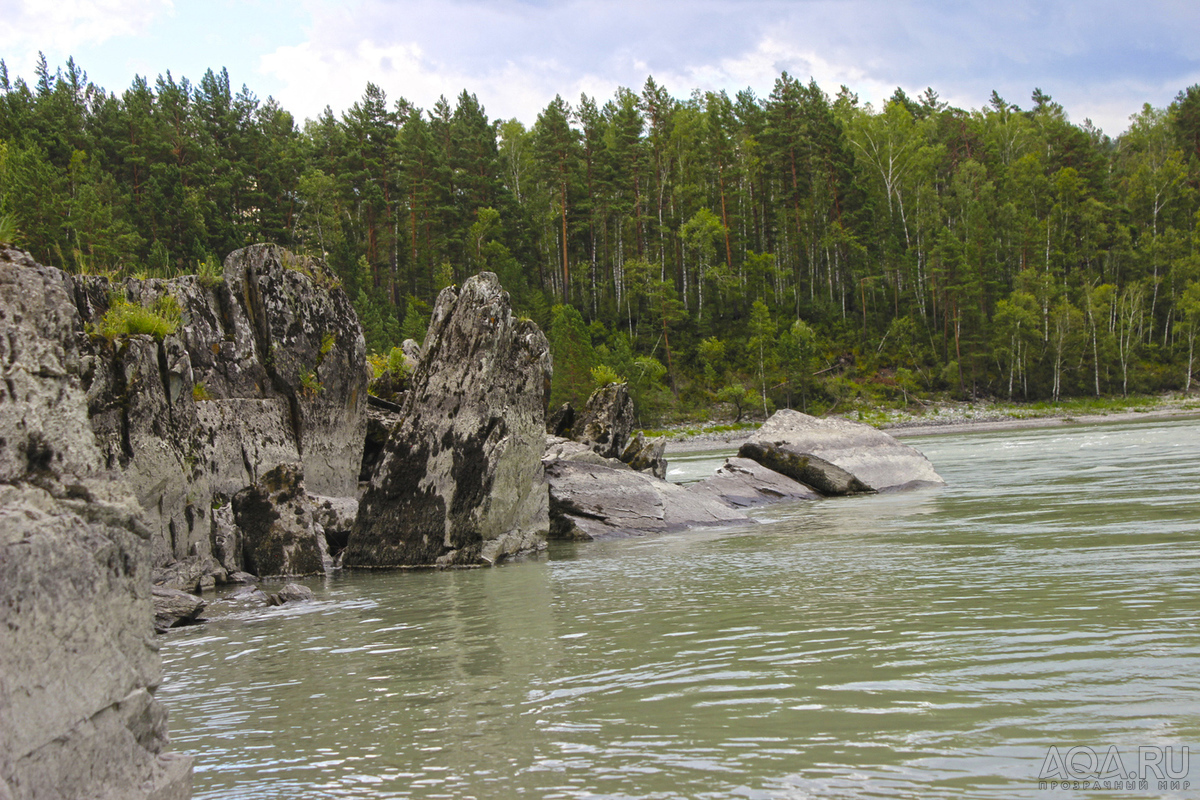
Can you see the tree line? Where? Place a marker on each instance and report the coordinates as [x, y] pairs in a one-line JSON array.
[[801, 249]]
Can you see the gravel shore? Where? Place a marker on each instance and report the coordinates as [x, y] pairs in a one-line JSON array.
[[943, 420]]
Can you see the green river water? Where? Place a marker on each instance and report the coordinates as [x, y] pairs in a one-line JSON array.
[[931, 644]]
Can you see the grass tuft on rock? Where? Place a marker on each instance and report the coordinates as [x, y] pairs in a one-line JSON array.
[[124, 318]]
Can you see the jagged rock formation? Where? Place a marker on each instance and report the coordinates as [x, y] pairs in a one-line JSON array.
[[174, 607], [590, 500], [607, 421], [646, 455], [279, 535], [267, 368], [742, 483], [460, 481], [78, 665], [836, 456]]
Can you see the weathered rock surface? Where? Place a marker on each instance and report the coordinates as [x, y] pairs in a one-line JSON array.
[[607, 421], [560, 421], [192, 574], [827, 478], [78, 664], [558, 448], [173, 608], [460, 481], [877, 461], [646, 455], [590, 501], [268, 367], [275, 517], [743, 483], [292, 593]]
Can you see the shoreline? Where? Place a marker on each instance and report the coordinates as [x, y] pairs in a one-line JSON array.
[[703, 442]]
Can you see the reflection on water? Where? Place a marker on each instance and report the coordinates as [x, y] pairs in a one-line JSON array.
[[927, 644]]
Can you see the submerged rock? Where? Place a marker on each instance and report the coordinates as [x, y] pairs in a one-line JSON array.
[[279, 536], [460, 481], [174, 608], [78, 662], [743, 483], [836, 456], [292, 593], [589, 501]]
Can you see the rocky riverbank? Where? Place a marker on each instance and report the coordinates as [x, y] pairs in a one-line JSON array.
[[161, 439]]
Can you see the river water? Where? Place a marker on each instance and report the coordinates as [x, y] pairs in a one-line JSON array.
[[933, 644]]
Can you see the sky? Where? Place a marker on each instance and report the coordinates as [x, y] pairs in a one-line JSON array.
[[1100, 60]]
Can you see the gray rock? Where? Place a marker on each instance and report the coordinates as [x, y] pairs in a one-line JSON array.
[[380, 424], [334, 513], [877, 461], [607, 421], [335, 516], [743, 483], [191, 574], [461, 479], [227, 541], [173, 608], [646, 455], [279, 536], [560, 421], [412, 353], [293, 593], [268, 367], [78, 664], [590, 501], [826, 478], [558, 448]]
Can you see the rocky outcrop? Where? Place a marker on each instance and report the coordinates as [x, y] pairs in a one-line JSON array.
[[460, 481], [646, 455], [607, 421], [743, 483], [267, 367], [836, 456], [591, 501], [560, 421], [78, 664], [827, 478], [279, 535], [174, 608]]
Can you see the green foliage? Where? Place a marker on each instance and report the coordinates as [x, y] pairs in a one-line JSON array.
[[124, 318], [200, 392], [9, 233], [603, 375], [328, 341], [821, 252], [310, 384], [573, 356], [209, 273]]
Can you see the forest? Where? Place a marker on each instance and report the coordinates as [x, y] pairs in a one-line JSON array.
[[727, 255]]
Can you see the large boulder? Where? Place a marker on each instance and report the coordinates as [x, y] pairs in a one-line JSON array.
[[78, 662], [591, 501], [279, 535], [836, 456], [460, 481], [646, 455], [743, 483], [607, 421], [267, 367]]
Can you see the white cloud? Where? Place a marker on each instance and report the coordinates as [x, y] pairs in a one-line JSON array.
[[59, 27], [1100, 60]]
